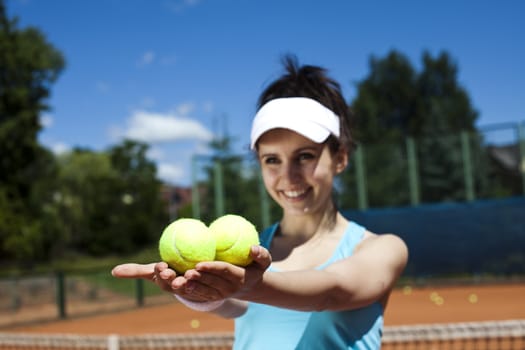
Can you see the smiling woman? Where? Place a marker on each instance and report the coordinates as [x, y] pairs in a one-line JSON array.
[[317, 280]]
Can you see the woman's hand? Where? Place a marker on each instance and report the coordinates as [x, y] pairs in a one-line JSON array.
[[158, 273], [217, 280], [213, 280]]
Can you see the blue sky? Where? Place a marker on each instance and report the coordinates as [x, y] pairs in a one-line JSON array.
[[173, 73]]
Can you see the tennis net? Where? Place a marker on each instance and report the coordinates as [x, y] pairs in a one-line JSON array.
[[495, 335]]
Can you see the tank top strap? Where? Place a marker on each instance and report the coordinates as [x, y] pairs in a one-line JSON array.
[[266, 236]]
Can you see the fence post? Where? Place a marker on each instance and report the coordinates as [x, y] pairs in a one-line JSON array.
[[362, 200], [265, 205], [467, 166], [139, 285], [219, 188], [413, 176], [521, 141], [195, 200], [61, 294]]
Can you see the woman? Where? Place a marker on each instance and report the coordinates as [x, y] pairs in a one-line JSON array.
[[318, 281]]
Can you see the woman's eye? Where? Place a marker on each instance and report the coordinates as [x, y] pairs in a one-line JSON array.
[[306, 156], [271, 160]]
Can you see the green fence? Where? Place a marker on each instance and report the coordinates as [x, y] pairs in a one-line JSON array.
[[444, 167], [29, 298], [465, 168]]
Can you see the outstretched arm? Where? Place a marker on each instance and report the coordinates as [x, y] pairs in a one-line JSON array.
[[365, 277], [189, 288]]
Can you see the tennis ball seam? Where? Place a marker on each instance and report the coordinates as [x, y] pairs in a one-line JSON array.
[[183, 257]]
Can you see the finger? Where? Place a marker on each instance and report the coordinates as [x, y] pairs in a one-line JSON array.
[[220, 285], [166, 275], [261, 256], [197, 290], [160, 267], [132, 270], [191, 291], [224, 270], [178, 284]]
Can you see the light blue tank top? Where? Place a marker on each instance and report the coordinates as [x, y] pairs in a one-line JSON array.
[[269, 327]]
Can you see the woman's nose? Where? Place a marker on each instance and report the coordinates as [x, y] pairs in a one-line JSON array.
[[292, 172]]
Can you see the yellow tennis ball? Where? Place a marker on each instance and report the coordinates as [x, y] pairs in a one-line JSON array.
[[234, 236], [186, 242]]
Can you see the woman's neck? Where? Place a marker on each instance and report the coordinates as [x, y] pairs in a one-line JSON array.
[[311, 224]]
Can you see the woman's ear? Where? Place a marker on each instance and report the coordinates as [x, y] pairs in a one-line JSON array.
[[341, 160]]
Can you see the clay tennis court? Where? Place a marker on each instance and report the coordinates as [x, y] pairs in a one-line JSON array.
[[408, 305]]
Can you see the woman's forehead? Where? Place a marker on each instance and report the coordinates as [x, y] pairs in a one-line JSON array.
[[283, 136]]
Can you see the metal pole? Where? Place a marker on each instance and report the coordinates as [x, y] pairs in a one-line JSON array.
[[362, 200], [467, 166], [195, 199], [521, 164], [265, 205], [219, 188], [140, 291], [61, 294], [413, 176]]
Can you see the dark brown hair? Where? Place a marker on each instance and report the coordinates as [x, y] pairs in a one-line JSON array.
[[313, 82]]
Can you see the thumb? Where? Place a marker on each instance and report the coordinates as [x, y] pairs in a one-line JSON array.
[[261, 256]]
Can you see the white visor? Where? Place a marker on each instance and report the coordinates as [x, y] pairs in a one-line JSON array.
[[303, 115]]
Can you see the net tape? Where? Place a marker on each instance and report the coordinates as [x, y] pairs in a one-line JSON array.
[[455, 331], [392, 334]]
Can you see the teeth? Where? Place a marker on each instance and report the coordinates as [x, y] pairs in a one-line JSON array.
[[294, 194]]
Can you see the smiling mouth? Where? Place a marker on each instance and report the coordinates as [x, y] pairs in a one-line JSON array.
[[294, 194]]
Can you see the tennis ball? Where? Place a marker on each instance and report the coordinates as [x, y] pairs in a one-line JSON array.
[[186, 242], [234, 236]]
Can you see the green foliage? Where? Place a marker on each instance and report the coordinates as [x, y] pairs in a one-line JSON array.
[[28, 67], [140, 213], [386, 102], [395, 102], [85, 202], [110, 201], [240, 184]]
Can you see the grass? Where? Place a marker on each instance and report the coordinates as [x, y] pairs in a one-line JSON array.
[[95, 271], [126, 287]]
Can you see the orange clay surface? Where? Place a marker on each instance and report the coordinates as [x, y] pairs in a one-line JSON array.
[[407, 305]]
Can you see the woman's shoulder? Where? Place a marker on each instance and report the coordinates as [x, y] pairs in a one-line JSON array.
[[380, 239]]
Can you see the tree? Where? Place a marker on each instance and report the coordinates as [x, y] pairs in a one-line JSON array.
[[110, 201], [446, 112], [395, 102], [385, 106], [386, 103], [140, 213], [29, 65], [240, 184]]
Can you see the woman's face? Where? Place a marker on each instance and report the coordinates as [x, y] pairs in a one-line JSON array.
[[297, 172]]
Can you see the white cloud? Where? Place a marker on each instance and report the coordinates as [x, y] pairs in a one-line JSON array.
[[46, 120], [59, 148], [208, 107], [102, 87], [147, 58], [155, 153], [153, 127], [185, 109], [171, 173], [168, 60], [147, 102], [180, 5]]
